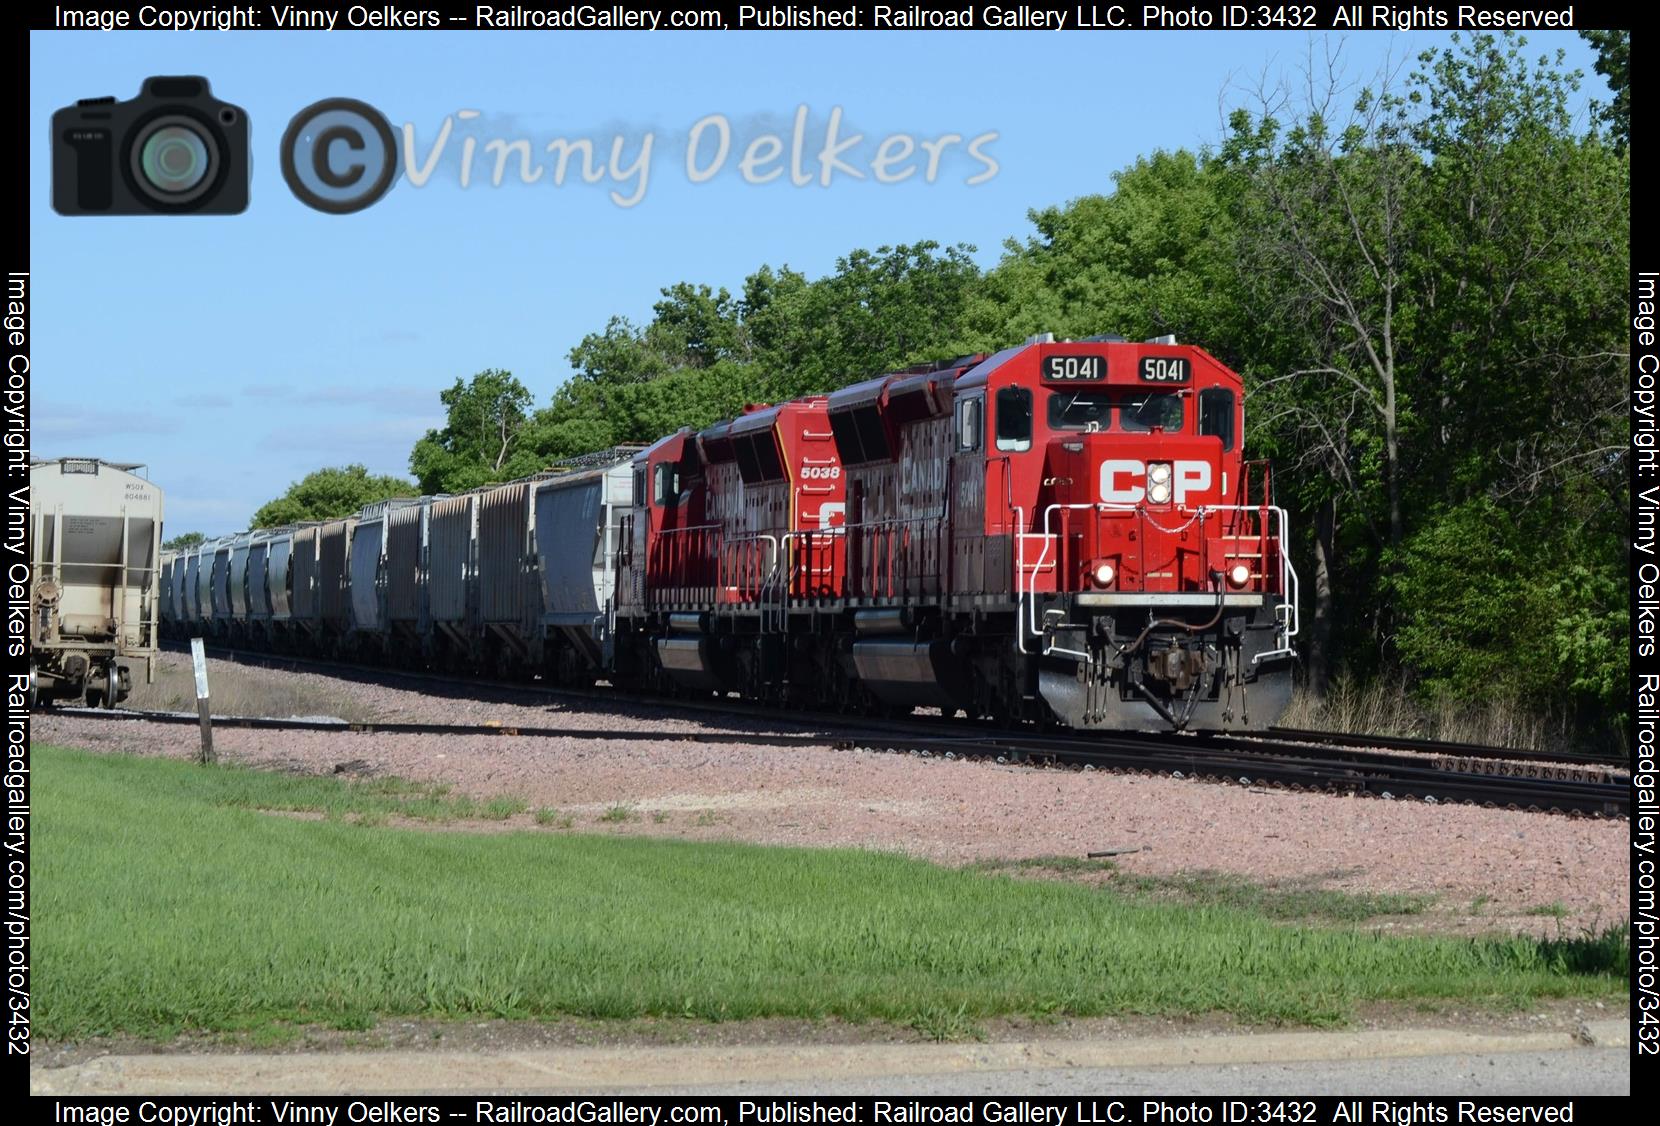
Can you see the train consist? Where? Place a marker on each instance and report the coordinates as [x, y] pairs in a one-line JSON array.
[[1060, 532], [95, 531]]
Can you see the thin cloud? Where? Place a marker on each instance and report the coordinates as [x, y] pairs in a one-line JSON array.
[[204, 401], [75, 424], [404, 398], [349, 443], [373, 396]]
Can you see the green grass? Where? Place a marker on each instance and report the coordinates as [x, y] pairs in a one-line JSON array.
[[1061, 865], [501, 808], [618, 814], [1294, 902], [942, 1024], [165, 901], [1548, 910], [368, 801], [1286, 903], [554, 818]]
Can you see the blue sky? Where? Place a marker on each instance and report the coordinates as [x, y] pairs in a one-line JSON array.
[[235, 354]]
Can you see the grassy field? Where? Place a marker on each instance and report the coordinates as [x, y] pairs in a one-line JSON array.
[[165, 899]]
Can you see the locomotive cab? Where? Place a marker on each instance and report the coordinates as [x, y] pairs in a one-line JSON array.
[[1149, 579]]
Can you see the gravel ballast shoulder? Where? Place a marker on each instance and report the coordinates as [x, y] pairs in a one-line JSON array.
[[1487, 869]]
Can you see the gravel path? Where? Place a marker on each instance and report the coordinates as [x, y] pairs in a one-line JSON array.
[[1488, 868]]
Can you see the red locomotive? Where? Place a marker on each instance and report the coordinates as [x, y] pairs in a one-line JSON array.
[[1063, 531]]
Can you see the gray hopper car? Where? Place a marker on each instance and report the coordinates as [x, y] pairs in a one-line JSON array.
[[512, 580]]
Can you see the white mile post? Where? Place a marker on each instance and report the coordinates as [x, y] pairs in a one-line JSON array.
[[198, 660]]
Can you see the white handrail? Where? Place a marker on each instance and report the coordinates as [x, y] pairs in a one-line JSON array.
[[1289, 585]]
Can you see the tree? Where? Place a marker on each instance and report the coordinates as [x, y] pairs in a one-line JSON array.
[[1327, 231], [329, 494], [1153, 257], [1440, 263], [1614, 63], [480, 441], [621, 353], [879, 311], [706, 353], [1557, 640], [182, 541]]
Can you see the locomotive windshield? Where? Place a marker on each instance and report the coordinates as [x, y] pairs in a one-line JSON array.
[[1092, 410], [1141, 413], [1080, 410]]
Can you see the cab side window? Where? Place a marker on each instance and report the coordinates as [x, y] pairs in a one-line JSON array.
[[666, 485], [1216, 414], [1014, 419], [969, 424]]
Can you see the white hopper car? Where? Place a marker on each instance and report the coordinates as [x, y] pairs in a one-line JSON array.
[[95, 584]]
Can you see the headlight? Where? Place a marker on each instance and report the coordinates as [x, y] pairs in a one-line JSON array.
[[1158, 482], [1104, 574], [1239, 574]]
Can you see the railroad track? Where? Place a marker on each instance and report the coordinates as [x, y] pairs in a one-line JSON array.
[[1257, 763], [1387, 777], [1284, 758], [1442, 748], [352, 727]]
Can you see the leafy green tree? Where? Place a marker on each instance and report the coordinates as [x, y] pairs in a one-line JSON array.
[[880, 310], [182, 541], [328, 494], [1441, 267], [1556, 638], [1154, 256], [622, 353], [480, 441], [706, 353], [1614, 63]]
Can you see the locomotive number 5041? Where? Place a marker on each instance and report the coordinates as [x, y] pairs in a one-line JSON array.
[[1165, 369]]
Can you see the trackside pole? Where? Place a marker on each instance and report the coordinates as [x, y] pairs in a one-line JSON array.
[[198, 660]]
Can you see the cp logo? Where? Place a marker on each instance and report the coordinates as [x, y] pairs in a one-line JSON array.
[[339, 155], [1125, 482]]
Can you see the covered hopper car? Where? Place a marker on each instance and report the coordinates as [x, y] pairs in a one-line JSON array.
[[96, 589]]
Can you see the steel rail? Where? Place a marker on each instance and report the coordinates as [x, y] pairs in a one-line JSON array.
[[1438, 747]]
